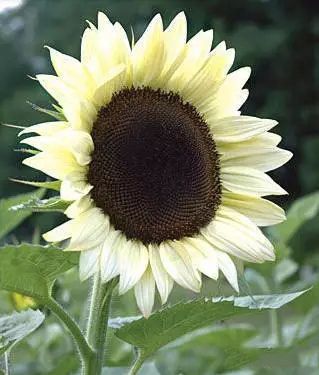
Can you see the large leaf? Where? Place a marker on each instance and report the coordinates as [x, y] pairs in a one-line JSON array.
[[171, 323], [15, 327], [54, 204], [31, 269], [216, 349], [302, 210], [10, 219]]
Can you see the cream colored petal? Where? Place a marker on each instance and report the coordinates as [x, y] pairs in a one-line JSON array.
[[79, 206], [230, 96], [60, 233], [195, 55], [78, 111], [261, 211], [104, 24], [105, 48], [75, 186], [145, 292], [246, 241], [263, 159], [89, 263], [175, 37], [239, 128], [228, 268], [248, 181], [46, 128], [114, 81], [90, 230], [133, 261], [203, 86], [178, 264], [91, 56], [148, 54], [78, 142], [55, 164], [264, 140], [58, 89], [110, 262], [203, 255], [164, 282], [73, 73], [80, 114]]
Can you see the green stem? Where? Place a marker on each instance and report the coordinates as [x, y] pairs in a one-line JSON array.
[[137, 364], [85, 351], [97, 323], [276, 327]]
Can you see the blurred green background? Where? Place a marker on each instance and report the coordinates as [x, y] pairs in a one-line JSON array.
[[277, 38]]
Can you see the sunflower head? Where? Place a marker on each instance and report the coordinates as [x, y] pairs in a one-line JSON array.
[[163, 174]]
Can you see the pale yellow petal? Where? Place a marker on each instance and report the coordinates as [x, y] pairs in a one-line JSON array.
[[46, 128], [248, 181], [263, 159], [196, 54], [133, 259], [60, 233], [145, 292], [90, 230], [179, 265], [74, 186], [261, 211], [164, 282], [55, 164], [246, 241], [239, 128], [79, 206], [148, 54], [89, 263], [110, 261]]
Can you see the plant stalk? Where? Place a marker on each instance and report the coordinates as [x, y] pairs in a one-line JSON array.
[[97, 323], [84, 349], [137, 364]]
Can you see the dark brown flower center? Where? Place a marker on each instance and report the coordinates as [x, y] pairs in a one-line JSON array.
[[155, 168]]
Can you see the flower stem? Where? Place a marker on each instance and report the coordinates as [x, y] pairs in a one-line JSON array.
[[84, 349], [276, 327], [97, 323], [137, 364]]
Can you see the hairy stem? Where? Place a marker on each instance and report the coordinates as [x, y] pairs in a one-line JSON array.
[[97, 323], [84, 349], [137, 364]]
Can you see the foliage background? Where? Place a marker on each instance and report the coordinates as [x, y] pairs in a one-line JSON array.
[[278, 39]]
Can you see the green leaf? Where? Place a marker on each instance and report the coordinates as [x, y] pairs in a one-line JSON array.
[[169, 324], [217, 349], [302, 210], [54, 204], [15, 327], [9, 220], [31, 269], [119, 322], [52, 185]]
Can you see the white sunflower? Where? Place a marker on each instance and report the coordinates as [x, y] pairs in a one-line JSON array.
[[164, 176]]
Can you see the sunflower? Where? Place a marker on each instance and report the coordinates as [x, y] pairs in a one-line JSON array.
[[164, 176]]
